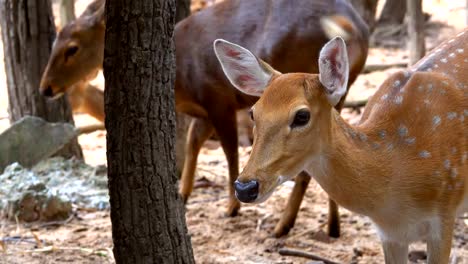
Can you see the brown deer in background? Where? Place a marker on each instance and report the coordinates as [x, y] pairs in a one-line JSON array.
[[287, 34]]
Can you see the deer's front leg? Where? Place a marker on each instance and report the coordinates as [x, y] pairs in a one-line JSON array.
[[395, 252], [439, 241]]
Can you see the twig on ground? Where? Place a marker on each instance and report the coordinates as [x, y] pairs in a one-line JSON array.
[[298, 253], [205, 183], [58, 223], [261, 221]]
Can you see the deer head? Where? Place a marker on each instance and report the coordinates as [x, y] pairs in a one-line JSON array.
[[77, 54], [292, 117]]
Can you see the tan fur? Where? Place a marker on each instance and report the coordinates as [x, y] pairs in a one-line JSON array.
[[405, 165]]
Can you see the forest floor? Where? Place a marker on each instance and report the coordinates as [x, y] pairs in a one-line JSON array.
[[247, 238]]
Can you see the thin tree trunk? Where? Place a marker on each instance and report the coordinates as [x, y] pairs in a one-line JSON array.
[[148, 220], [367, 10], [67, 11], [28, 32], [416, 44], [466, 13], [393, 12]]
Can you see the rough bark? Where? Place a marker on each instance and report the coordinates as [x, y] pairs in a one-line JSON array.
[[393, 12], [148, 220], [67, 11], [416, 43], [367, 10], [28, 32]]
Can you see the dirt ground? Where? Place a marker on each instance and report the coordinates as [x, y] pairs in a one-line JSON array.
[[86, 237]]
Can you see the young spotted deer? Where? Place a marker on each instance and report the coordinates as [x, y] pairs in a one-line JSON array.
[[404, 166], [201, 89]]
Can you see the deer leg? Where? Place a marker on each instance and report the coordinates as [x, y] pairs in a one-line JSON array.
[[199, 131], [226, 128], [395, 253], [439, 242], [288, 218], [333, 219]]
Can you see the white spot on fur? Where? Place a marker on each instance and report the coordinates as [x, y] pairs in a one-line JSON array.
[[430, 87], [398, 99], [454, 150], [426, 101], [452, 55], [460, 50], [451, 115], [396, 83], [436, 121], [443, 60], [454, 172], [420, 88], [460, 34], [363, 137], [384, 97], [382, 134], [410, 141], [450, 41], [403, 131], [447, 164], [424, 154]]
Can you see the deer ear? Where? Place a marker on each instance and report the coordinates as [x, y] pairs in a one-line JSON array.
[[245, 71], [334, 69]]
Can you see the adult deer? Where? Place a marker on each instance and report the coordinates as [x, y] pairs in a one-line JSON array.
[[404, 166], [269, 28]]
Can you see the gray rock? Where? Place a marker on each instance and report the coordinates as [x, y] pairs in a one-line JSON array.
[[31, 139]]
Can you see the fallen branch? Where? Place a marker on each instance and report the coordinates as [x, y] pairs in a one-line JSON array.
[[261, 221], [90, 128], [381, 67], [298, 253]]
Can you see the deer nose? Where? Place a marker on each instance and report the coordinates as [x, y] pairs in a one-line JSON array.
[[48, 91], [246, 192]]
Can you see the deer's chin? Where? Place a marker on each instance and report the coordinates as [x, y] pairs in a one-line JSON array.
[[263, 197]]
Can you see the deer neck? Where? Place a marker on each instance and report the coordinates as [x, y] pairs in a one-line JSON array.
[[350, 168]]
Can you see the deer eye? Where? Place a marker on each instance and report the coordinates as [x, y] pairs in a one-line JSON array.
[[70, 51], [301, 118]]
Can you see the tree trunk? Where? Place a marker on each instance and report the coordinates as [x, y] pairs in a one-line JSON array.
[[183, 120], [416, 44], [393, 12], [67, 11], [148, 218], [466, 13], [367, 10], [28, 32]]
